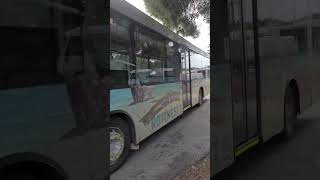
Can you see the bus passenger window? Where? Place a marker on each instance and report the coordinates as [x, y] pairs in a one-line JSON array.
[[173, 60], [199, 65], [150, 57], [29, 58], [120, 64]]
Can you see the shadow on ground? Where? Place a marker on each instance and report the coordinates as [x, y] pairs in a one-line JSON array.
[[298, 158]]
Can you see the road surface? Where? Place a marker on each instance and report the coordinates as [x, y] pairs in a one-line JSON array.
[[166, 153], [197, 171], [297, 159]]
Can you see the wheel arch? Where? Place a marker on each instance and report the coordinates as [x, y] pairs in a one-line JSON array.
[[202, 90], [125, 116], [292, 83], [30, 159]]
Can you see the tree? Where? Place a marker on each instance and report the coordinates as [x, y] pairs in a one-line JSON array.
[[179, 15]]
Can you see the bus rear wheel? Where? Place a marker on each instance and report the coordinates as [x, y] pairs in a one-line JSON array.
[[290, 113], [119, 143]]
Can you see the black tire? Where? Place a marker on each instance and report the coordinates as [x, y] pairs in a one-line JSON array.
[[290, 114], [200, 97], [18, 176], [119, 124]]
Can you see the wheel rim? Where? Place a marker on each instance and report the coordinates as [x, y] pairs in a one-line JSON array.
[[117, 143]]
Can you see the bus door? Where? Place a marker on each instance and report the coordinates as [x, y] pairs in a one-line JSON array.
[[243, 71], [185, 79]]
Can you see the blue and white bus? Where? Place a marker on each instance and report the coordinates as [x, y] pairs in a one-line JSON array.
[[156, 76]]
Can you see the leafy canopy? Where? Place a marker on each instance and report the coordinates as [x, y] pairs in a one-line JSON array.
[[180, 15]]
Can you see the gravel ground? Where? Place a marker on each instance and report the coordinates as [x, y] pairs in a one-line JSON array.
[[170, 150], [197, 171]]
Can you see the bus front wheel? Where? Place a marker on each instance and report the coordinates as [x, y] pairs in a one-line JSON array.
[[290, 113], [119, 143]]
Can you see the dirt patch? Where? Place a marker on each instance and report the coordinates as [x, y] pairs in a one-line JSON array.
[[197, 171]]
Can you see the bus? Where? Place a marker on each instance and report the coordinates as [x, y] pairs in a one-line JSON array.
[[265, 70], [52, 91], [200, 79], [151, 80]]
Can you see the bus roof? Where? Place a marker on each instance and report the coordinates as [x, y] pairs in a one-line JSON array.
[[133, 13]]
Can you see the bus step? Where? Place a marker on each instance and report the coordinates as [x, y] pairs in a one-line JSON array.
[[134, 146]]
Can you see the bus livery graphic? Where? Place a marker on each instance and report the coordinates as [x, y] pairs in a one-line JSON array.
[[160, 104]]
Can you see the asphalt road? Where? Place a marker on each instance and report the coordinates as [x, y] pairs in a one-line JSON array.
[[297, 159], [176, 146]]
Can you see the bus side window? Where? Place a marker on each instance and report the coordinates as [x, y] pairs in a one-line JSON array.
[[120, 61], [119, 69], [29, 57], [150, 56], [199, 64], [173, 62]]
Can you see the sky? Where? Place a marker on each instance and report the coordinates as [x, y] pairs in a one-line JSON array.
[[203, 41]]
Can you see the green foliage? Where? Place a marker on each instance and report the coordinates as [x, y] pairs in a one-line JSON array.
[[180, 15]]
